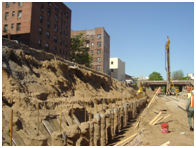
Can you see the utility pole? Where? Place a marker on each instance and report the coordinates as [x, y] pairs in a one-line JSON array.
[[168, 65]]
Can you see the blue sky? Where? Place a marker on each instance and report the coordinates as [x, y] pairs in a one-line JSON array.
[[138, 32]]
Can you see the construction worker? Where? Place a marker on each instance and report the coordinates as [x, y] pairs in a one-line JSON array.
[[188, 95], [190, 110]]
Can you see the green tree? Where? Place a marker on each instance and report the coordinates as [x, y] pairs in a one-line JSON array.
[[177, 75], [79, 53], [155, 76]]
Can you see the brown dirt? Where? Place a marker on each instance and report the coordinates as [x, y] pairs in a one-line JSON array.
[[39, 79], [179, 133]]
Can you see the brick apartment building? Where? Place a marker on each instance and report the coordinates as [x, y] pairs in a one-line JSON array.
[[98, 42], [41, 25]]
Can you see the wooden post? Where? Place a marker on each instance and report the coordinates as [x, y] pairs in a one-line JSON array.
[[60, 119], [85, 112], [37, 119], [11, 127], [96, 105], [90, 113], [72, 114]]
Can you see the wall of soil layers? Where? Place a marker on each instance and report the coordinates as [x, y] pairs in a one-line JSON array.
[[44, 90]]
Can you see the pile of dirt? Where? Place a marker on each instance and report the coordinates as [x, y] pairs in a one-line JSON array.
[[39, 79]]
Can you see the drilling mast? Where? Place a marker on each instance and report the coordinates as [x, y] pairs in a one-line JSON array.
[[168, 89]]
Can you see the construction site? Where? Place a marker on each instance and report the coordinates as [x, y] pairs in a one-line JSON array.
[[49, 101]]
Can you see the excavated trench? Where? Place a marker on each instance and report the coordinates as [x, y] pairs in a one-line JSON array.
[[43, 92]]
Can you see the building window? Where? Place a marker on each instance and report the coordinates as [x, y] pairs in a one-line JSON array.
[[67, 15], [61, 31], [92, 44], [56, 17], [7, 4], [13, 13], [66, 25], [98, 67], [47, 34], [56, 7], [98, 44], [92, 37], [18, 27], [87, 37], [40, 31], [5, 28], [12, 26], [61, 11], [65, 53], [20, 14], [55, 38], [41, 18], [19, 3], [42, 6], [48, 24], [91, 52], [61, 21], [99, 60], [39, 43], [49, 3], [99, 36], [60, 41], [87, 44], [111, 62], [98, 51], [60, 51], [66, 35], [65, 44], [91, 59], [54, 49], [47, 46], [55, 28], [48, 12], [6, 15]]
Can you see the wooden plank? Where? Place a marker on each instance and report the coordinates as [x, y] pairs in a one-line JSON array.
[[125, 141], [68, 119], [155, 118], [5, 138], [53, 124], [75, 120], [22, 134], [31, 131], [63, 124], [166, 143], [48, 126], [43, 131], [17, 139]]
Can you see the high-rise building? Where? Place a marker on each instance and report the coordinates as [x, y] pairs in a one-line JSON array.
[[41, 25], [98, 42]]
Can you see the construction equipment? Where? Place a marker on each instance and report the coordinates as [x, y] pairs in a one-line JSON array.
[[168, 65], [140, 90], [174, 91]]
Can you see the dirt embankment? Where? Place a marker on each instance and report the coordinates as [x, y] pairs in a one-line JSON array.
[[38, 79]]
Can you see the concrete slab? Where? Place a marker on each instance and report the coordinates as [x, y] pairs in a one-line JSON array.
[[54, 126]]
